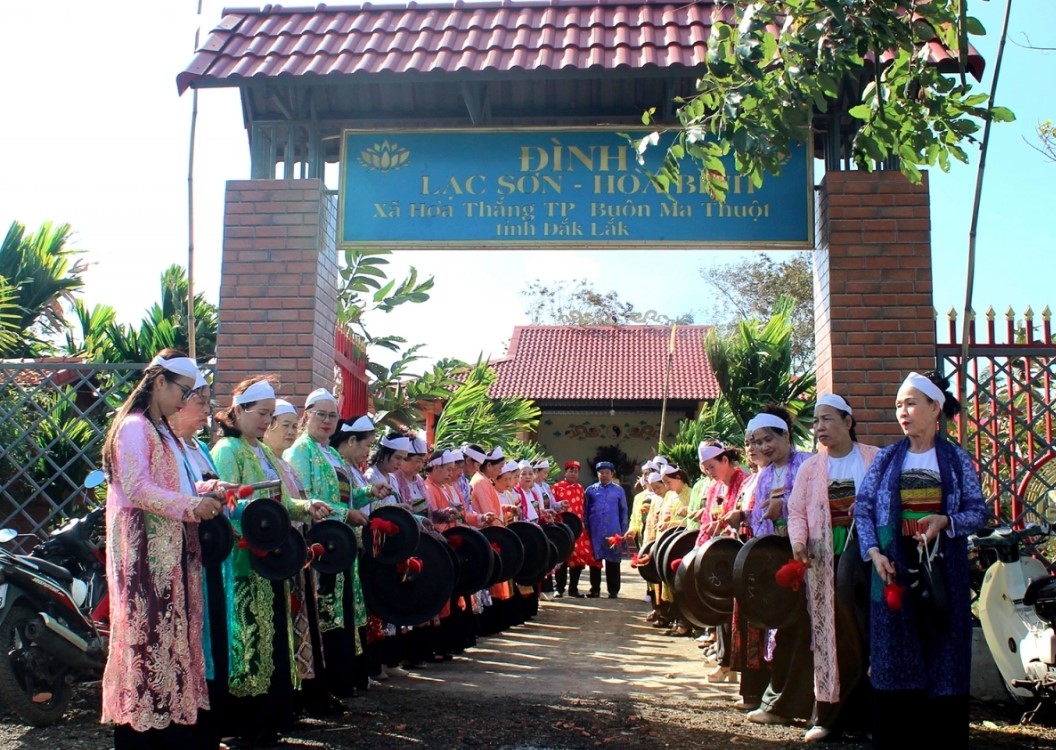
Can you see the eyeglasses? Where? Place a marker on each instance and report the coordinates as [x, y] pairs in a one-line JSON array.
[[326, 416], [187, 391]]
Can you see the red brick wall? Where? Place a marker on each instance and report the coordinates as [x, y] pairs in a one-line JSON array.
[[873, 309], [278, 296]]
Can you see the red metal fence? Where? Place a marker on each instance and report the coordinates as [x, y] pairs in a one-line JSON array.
[[1009, 403], [350, 367]]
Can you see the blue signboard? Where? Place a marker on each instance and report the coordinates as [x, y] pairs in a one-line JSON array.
[[549, 188]]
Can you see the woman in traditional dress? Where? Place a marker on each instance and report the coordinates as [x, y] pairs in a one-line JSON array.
[[819, 522], [154, 687], [570, 491], [790, 694], [720, 463], [920, 499], [488, 511], [409, 481], [326, 455], [526, 498], [385, 464], [263, 674], [217, 579], [747, 642], [315, 699], [670, 515]]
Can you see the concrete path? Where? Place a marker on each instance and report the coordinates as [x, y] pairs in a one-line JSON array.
[[583, 647]]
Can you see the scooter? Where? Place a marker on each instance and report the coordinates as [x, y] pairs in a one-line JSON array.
[[1017, 611], [53, 610]]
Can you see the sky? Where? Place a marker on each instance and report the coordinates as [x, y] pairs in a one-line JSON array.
[[94, 134]]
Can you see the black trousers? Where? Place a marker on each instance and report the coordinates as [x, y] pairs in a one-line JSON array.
[[612, 578]]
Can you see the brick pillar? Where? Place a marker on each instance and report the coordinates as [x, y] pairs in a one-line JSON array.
[[874, 317], [278, 295]]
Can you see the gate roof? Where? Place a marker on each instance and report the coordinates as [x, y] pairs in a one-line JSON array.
[[461, 38], [473, 38]]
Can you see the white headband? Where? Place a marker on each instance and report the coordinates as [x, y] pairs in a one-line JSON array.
[[259, 391], [654, 477], [766, 420], [509, 466], [707, 452], [179, 366], [925, 386], [418, 446], [496, 454], [363, 424], [436, 461], [650, 466], [282, 406], [319, 394], [397, 444], [660, 460], [667, 470], [525, 464], [475, 455], [544, 464], [836, 402], [453, 457], [200, 381]]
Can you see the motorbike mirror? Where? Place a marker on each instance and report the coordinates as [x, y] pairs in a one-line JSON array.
[[6, 535], [94, 479]]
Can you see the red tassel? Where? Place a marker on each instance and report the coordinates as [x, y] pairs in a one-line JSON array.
[[454, 541], [244, 491], [614, 541], [495, 546], [790, 575], [634, 560], [231, 499], [317, 550], [243, 544], [675, 563], [384, 526], [412, 566], [893, 595]]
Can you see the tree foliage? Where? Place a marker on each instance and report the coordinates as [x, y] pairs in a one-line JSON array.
[[751, 288], [771, 66], [96, 335], [472, 416], [396, 393], [754, 367], [45, 273], [1046, 133], [579, 303]]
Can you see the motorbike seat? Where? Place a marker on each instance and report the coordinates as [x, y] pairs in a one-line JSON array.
[[56, 572]]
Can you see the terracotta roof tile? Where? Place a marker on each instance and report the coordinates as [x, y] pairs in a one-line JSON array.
[[462, 37], [598, 363]]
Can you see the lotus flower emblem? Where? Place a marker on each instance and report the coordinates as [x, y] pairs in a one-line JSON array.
[[384, 157]]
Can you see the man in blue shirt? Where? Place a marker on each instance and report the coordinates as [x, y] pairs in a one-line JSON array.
[[605, 517]]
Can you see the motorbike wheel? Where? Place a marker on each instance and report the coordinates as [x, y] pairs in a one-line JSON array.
[[18, 686]]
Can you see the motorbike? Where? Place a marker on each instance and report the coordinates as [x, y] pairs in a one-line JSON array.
[[1017, 612], [53, 616]]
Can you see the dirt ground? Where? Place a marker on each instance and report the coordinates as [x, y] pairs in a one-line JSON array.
[[586, 673]]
